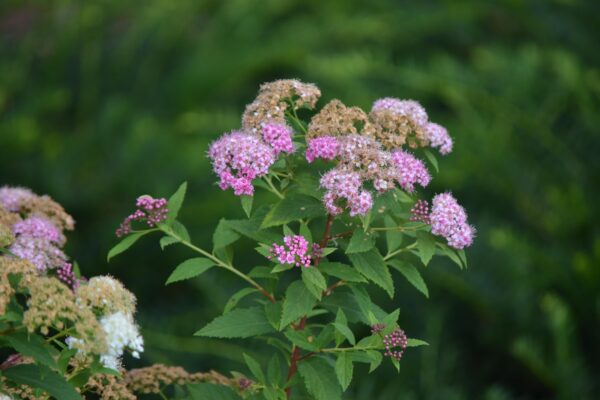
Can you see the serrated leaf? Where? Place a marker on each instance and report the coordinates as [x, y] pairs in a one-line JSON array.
[[364, 303], [344, 369], [377, 357], [349, 303], [426, 246], [167, 241], [33, 346], [273, 313], [236, 297], [281, 267], [314, 281], [305, 231], [180, 230], [300, 339], [238, 323], [247, 204], [224, 235], [360, 242], [341, 271], [39, 376], [416, 343], [298, 302], [175, 202], [274, 370], [320, 379], [254, 367], [291, 209], [372, 266], [412, 275], [209, 391], [341, 326], [190, 268], [126, 243]]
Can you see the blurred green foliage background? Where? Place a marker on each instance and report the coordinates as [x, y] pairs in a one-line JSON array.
[[101, 101]]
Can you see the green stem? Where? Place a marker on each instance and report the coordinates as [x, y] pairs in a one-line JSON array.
[[343, 349], [59, 335], [393, 253], [273, 188], [397, 228], [220, 263]]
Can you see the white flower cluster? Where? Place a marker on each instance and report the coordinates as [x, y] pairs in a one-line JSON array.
[[121, 333]]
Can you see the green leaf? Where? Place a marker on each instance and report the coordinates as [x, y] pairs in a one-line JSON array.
[[33, 346], [372, 266], [39, 376], [341, 271], [432, 159], [314, 281], [180, 230], [175, 202], [345, 331], [239, 323], [224, 235], [190, 269], [300, 339], [393, 238], [416, 343], [126, 243], [411, 274], [273, 313], [247, 204], [274, 370], [209, 391], [360, 242], [167, 241], [376, 359], [281, 268], [344, 369], [426, 246], [305, 231], [298, 302], [291, 209], [349, 302], [320, 379], [365, 304], [235, 299], [254, 367]]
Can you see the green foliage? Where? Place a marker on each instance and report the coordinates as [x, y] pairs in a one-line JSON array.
[[190, 269], [239, 323]]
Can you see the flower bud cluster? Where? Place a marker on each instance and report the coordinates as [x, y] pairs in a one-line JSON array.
[[150, 210], [395, 343]]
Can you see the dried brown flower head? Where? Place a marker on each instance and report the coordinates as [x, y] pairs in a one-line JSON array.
[[46, 207], [105, 295], [336, 119], [109, 387], [10, 265], [394, 130]]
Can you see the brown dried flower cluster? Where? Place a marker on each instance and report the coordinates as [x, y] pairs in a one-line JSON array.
[[394, 130], [336, 119], [48, 208], [8, 218], [105, 295], [8, 266], [109, 387], [151, 379], [52, 305], [274, 98]]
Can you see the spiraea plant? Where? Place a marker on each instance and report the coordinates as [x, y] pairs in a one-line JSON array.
[[340, 214], [64, 336]]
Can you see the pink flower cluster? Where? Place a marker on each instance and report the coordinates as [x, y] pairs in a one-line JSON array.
[[438, 137], [325, 147], [408, 108], [40, 228], [449, 219], [411, 170], [11, 198], [420, 212], [279, 137], [294, 251], [152, 211], [345, 186], [395, 343], [238, 158], [38, 240]]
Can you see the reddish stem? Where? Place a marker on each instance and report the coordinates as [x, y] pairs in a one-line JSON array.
[[300, 326]]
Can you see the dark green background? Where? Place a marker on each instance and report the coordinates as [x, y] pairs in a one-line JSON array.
[[101, 101]]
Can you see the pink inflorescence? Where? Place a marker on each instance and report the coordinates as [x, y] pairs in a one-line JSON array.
[[149, 209], [407, 108], [41, 252], [325, 147], [411, 170], [294, 251], [40, 228], [438, 137], [238, 158], [449, 219], [420, 212], [345, 186], [376, 328], [279, 137], [11, 198], [395, 343], [66, 275]]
